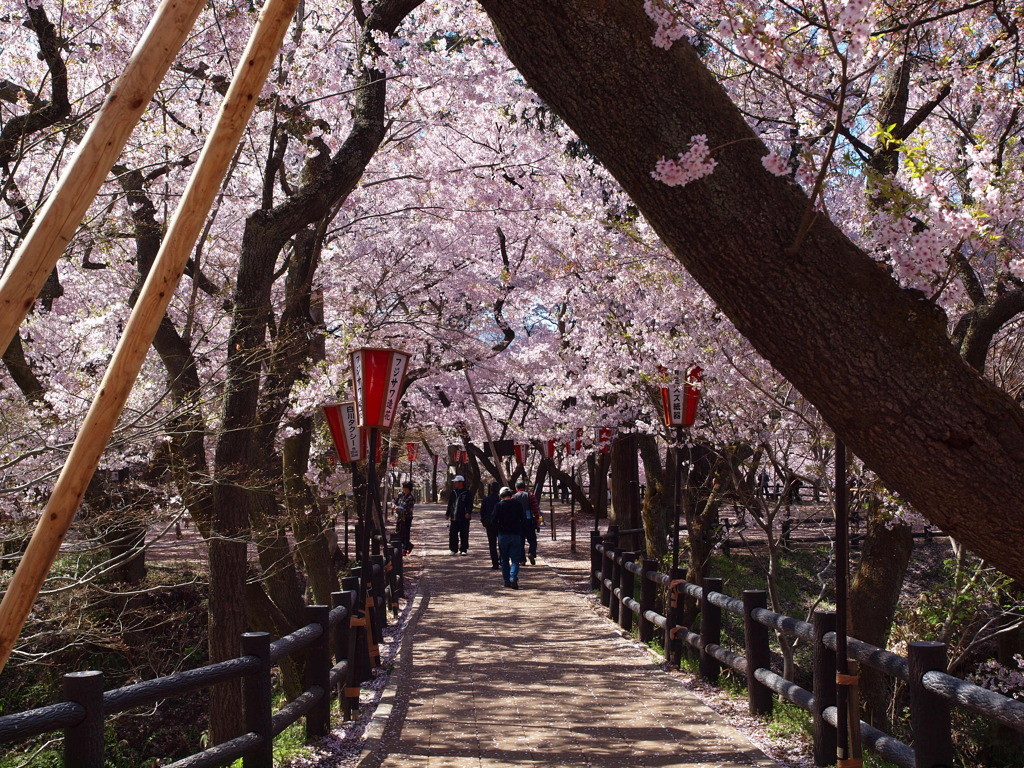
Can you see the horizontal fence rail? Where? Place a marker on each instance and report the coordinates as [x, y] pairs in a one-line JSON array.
[[933, 692], [348, 633]]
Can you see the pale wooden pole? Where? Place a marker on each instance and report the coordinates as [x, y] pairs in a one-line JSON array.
[[131, 351], [63, 211]]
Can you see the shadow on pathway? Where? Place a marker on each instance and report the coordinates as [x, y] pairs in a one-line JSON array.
[[489, 676]]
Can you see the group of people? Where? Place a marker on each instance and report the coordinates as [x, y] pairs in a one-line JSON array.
[[511, 519]]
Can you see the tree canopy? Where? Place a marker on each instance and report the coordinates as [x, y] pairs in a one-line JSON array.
[[560, 203]]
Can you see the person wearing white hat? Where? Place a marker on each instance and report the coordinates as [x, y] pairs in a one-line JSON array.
[[460, 510]]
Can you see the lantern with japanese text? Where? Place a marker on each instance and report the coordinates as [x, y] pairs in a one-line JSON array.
[[378, 376], [573, 446], [522, 450], [679, 408], [348, 437], [548, 446], [679, 400]]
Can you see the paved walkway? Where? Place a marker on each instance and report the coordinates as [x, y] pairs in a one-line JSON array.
[[494, 677]]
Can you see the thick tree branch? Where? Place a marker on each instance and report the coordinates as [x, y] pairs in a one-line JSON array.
[[875, 360]]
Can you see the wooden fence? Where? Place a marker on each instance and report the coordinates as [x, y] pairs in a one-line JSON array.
[[348, 632], [933, 693]]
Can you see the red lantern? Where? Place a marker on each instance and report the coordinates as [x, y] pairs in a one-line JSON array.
[[573, 446], [549, 449], [410, 451], [679, 401], [378, 375], [348, 437], [463, 456], [604, 439], [522, 451]]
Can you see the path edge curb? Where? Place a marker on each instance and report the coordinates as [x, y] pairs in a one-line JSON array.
[[377, 726]]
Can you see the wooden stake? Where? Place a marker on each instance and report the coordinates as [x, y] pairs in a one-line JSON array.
[[63, 211], [131, 351]]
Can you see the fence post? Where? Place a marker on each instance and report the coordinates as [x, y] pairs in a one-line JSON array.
[[614, 602], [362, 667], [929, 713], [318, 672], [595, 560], [398, 563], [674, 646], [824, 678], [710, 630], [83, 743], [626, 582], [647, 593], [379, 597], [606, 573], [758, 653], [257, 700], [344, 650]]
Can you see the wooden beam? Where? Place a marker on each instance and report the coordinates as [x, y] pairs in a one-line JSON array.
[[63, 211], [234, 114]]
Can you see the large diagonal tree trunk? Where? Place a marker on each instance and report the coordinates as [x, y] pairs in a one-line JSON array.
[[874, 359]]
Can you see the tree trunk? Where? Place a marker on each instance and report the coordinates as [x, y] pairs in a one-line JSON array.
[[597, 467], [625, 482], [874, 594], [658, 511], [874, 359], [309, 520]]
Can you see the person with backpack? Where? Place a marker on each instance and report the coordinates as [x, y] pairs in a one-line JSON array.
[[509, 520], [531, 512], [490, 523], [460, 510]]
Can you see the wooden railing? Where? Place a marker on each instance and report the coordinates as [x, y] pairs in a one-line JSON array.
[[933, 693], [346, 631]]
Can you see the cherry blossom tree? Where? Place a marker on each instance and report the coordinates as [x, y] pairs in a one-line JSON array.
[[873, 356]]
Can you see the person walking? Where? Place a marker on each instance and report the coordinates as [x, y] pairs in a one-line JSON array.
[[489, 521], [531, 513], [459, 512], [404, 503], [509, 520]]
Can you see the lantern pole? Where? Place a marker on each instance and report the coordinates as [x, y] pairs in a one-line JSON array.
[[847, 716], [677, 453]]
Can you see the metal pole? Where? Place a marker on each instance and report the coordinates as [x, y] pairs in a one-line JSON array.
[[677, 455], [365, 564], [842, 570]]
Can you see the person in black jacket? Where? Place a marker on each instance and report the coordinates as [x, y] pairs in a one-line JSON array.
[[509, 519], [460, 510], [487, 507], [404, 503]]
